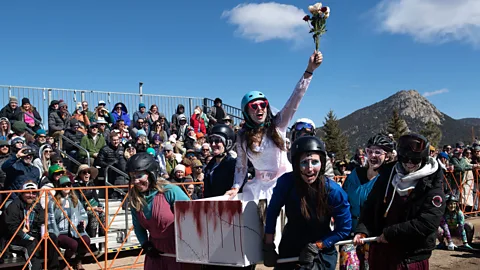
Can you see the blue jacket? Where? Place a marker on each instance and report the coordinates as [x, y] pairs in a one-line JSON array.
[[285, 194], [17, 173], [124, 116], [357, 192]]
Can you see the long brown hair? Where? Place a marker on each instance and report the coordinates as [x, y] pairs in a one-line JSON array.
[[137, 200], [316, 191], [72, 195], [254, 136]]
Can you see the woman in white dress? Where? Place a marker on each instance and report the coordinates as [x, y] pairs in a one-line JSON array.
[[262, 139]]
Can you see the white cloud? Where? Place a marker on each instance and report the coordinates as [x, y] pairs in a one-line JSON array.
[[432, 21], [436, 92], [267, 21]]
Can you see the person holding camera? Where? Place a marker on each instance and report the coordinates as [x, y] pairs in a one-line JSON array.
[[31, 232], [73, 239], [81, 116]]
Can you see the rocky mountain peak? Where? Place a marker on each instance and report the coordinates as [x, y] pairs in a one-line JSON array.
[[412, 104]]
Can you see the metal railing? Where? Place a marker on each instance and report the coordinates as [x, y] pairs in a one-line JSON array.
[[234, 112], [123, 193], [65, 138], [42, 97]]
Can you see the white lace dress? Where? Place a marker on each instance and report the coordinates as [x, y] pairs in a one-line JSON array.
[[269, 161]]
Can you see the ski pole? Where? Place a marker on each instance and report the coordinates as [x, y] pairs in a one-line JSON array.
[[295, 259]]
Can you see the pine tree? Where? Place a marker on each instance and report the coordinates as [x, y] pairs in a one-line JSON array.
[[334, 138], [397, 126], [433, 133]]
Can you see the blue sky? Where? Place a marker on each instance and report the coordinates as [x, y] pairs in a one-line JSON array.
[[372, 50]]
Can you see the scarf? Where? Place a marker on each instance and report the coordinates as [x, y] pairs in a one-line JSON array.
[[403, 182]]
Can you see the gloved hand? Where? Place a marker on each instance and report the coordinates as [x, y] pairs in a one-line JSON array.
[[270, 255], [466, 245], [151, 250], [451, 245], [308, 254]]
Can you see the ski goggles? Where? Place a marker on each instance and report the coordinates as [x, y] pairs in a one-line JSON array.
[[302, 125], [414, 144], [258, 104]]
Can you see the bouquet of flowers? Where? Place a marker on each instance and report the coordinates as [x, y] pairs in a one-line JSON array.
[[317, 22]]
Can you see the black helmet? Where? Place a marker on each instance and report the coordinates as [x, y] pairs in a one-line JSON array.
[[307, 144], [226, 133], [451, 198], [143, 162], [382, 141], [413, 146]]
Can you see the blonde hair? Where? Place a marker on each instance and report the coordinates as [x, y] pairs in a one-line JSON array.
[[137, 200]]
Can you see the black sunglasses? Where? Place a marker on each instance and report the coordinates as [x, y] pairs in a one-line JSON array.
[[66, 185], [215, 140]]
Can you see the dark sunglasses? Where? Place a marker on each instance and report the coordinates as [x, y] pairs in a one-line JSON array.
[[404, 159], [4, 146], [118, 108], [205, 150], [86, 171], [190, 155], [58, 162], [255, 105], [66, 185], [301, 126], [215, 140]]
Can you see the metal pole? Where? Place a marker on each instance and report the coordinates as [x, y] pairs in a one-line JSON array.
[[140, 90]]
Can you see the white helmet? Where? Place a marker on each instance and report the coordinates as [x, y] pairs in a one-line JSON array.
[[304, 124]]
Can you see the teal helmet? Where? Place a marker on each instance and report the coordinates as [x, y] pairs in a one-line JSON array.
[[249, 97]]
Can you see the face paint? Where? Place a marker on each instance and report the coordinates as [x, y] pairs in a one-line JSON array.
[[310, 166]]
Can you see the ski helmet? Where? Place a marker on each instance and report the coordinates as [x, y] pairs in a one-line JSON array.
[[301, 125], [249, 97], [381, 141], [308, 144], [414, 147], [144, 162], [225, 132], [451, 198]]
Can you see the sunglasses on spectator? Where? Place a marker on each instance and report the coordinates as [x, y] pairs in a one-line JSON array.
[[19, 142], [58, 162], [258, 104], [59, 173], [376, 152], [205, 150], [166, 151], [86, 172], [190, 155], [118, 108], [404, 159], [4, 146], [199, 167], [48, 151], [66, 185]]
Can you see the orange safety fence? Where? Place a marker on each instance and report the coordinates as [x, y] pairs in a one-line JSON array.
[[464, 185]]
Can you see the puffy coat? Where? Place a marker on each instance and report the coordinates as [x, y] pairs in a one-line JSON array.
[[198, 123], [57, 122], [17, 173]]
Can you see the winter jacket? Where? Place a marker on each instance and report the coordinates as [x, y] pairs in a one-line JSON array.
[[189, 143], [17, 173], [302, 231], [59, 224], [9, 113], [4, 136], [20, 116], [198, 124], [219, 178], [415, 236], [92, 147], [175, 123], [75, 136], [124, 115], [38, 162], [108, 156], [15, 214], [58, 123], [138, 115], [3, 175], [214, 118]]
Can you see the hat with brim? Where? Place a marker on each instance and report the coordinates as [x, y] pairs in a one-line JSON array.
[[93, 171], [101, 120]]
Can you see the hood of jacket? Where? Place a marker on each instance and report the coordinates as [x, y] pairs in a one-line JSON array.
[[124, 108], [180, 106], [40, 150], [8, 123]]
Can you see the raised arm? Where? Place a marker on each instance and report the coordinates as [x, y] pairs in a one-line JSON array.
[[284, 117]]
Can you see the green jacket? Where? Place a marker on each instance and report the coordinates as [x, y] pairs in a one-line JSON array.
[[171, 164], [460, 165], [92, 148]]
